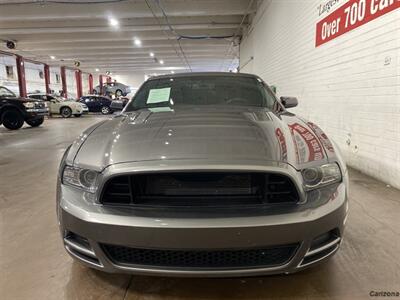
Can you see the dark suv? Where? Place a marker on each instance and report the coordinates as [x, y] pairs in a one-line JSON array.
[[15, 110], [97, 104]]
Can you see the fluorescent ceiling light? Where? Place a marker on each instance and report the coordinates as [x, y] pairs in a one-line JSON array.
[[161, 62], [172, 71], [151, 54], [97, 70], [52, 57], [113, 22], [137, 41]]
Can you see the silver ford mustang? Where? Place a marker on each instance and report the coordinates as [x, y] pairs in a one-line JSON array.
[[203, 174]]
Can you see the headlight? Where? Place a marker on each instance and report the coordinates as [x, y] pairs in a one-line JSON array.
[[321, 176], [29, 104], [82, 178]]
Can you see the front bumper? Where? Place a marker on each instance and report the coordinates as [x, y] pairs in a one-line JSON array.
[[32, 113], [99, 225]]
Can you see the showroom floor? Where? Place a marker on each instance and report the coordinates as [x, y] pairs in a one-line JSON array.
[[35, 266]]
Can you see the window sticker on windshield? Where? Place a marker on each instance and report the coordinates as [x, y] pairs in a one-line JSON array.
[[159, 95]]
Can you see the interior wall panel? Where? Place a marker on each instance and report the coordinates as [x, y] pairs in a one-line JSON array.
[[71, 84], [8, 73], [34, 76], [55, 80]]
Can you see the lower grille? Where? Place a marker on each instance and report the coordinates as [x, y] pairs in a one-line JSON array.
[[201, 259]]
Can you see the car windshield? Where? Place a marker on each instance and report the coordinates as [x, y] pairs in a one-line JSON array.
[[6, 92], [203, 90]]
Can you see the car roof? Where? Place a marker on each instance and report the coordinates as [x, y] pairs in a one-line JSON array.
[[191, 74]]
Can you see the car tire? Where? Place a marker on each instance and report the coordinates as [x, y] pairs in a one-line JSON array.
[[35, 122], [12, 119], [105, 110], [66, 112], [118, 93], [78, 115]]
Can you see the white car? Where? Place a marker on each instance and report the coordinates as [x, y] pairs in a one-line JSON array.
[[58, 105], [115, 88]]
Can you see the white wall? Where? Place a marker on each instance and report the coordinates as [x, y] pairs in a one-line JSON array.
[[55, 80], [10, 82], [34, 76], [85, 84], [71, 84], [349, 86]]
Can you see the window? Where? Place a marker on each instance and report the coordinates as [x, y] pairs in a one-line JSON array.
[[57, 78], [41, 75], [203, 90], [6, 92], [10, 72]]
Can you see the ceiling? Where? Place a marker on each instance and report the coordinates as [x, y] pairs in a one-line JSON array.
[[187, 35]]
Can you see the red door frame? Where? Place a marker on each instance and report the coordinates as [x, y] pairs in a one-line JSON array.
[[90, 83], [101, 84], [21, 75], [64, 81], [47, 78], [78, 78]]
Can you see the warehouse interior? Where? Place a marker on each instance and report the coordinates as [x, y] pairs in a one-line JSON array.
[[340, 58]]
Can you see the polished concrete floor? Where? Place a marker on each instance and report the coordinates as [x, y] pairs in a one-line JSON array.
[[34, 265]]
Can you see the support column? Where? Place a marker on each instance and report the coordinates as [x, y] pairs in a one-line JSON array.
[[78, 78], [47, 78], [21, 75], [90, 83], [101, 84], [64, 82]]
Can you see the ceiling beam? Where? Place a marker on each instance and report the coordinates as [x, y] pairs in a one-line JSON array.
[[135, 28], [40, 10]]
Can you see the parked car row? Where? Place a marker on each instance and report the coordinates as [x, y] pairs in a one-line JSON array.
[[14, 111], [103, 104], [57, 105]]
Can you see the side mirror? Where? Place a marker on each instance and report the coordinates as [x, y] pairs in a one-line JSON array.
[[289, 102]]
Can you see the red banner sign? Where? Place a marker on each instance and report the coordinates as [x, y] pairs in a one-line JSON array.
[[350, 16]]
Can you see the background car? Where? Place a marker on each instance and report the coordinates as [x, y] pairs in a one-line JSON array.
[[97, 104], [58, 105], [116, 88], [15, 110], [119, 104]]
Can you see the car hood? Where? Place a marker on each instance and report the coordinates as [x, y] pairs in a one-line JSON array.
[[21, 99], [209, 133]]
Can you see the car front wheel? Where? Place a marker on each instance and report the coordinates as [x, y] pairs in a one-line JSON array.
[[35, 122], [105, 110], [12, 119], [66, 112]]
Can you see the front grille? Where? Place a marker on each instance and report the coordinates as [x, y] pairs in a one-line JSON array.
[[201, 259], [199, 189], [40, 105]]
